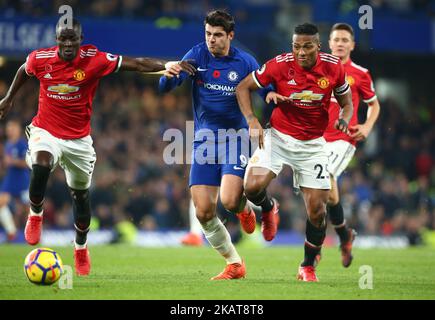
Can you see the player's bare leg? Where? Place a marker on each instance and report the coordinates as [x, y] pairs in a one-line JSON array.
[[256, 181], [315, 202], [82, 221], [234, 200], [194, 237], [6, 218], [42, 164], [205, 199], [336, 216]]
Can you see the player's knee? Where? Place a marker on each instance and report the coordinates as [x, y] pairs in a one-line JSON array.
[[317, 212], [43, 159], [204, 213]]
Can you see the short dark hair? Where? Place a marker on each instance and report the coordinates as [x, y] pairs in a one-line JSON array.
[[307, 29], [343, 26], [220, 18], [75, 24]]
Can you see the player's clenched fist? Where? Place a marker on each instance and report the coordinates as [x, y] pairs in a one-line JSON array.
[[342, 125]]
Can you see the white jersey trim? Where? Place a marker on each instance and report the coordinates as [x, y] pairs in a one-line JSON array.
[[256, 80], [353, 64], [370, 99], [119, 64]]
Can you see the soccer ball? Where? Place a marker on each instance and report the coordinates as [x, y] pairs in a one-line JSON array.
[[43, 266]]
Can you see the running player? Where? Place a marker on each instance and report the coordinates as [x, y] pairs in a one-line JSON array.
[[218, 163], [304, 81], [60, 132], [15, 183], [340, 146]]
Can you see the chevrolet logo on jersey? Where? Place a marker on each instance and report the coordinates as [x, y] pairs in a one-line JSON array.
[[63, 88], [306, 96]]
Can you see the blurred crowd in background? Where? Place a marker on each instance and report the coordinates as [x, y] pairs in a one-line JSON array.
[[388, 189]]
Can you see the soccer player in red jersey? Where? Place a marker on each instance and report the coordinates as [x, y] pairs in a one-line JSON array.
[[304, 81], [69, 74], [341, 146]]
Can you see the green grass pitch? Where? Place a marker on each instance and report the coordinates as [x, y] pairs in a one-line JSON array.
[[126, 272]]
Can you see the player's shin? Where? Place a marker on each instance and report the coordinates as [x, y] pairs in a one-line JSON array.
[[336, 216], [219, 238], [313, 242], [38, 184], [82, 215]]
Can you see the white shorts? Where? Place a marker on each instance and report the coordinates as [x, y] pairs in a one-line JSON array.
[[76, 156], [308, 159], [339, 153]]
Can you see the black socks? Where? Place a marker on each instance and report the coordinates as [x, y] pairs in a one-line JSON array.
[[38, 184]]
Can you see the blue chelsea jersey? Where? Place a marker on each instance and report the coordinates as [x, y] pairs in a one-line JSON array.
[[16, 179], [214, 87]]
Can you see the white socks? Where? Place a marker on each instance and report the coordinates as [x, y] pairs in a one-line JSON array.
[[7, 220], [80, 246], [195, 226], [36, 214], [219, 238]]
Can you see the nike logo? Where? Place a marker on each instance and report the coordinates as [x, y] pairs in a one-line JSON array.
[[201, 69], [238, 168], [47, 76]]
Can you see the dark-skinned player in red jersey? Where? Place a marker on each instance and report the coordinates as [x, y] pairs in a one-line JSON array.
[[304, 81], [69, 74]]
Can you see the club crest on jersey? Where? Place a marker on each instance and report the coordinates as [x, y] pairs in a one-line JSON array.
[[111, 57], [79, 75], [63, 88], [233, 76], [350, 80], [262, 69], [254, 159], [306, 96], [323, 82]]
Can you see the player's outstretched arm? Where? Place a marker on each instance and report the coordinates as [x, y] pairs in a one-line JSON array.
[[345, 102], [6, 103], [243, 93], [158, 66]]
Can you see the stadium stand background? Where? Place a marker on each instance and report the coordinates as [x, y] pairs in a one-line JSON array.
[[389, 188]]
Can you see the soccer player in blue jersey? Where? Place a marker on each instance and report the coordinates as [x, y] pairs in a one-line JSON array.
[[218, 162], [16, 180]]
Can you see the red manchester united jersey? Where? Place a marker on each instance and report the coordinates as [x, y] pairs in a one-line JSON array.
[[306, 116], [361, 84], [68, 88]]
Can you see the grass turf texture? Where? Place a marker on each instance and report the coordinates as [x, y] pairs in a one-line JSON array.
[[125, 272]]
